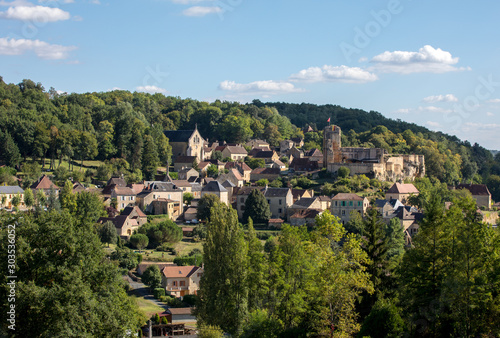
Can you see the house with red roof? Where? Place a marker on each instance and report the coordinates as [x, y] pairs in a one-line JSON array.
[[480, 193], [44, 183], [179, 281], [401, 191]]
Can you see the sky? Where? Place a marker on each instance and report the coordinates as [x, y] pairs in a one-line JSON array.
[[434, 63]]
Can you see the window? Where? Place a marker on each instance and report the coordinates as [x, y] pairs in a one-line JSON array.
[[343, 203], [268, 201], [182, 283], [335, 203], [174, 283], [198, 274], [350, 203], [281, 201], [242, 200], [242, 207], [280, 210], [343, 212], [359, 203]]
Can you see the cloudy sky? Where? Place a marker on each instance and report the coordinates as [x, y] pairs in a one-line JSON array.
[[435, 63]]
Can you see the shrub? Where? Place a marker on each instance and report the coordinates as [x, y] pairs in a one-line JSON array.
[[343, 172], [190, 299], [159, 292], [189, 260]]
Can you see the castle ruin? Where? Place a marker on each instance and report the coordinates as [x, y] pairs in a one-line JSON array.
[[372, 162]]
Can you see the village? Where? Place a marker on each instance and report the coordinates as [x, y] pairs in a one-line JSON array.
[[200, 168]]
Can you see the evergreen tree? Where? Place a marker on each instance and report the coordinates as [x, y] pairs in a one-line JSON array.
[[9, 152], [140, 241], [223, 295], [257, 208], [395, 242], [52, 201], [207, 202]]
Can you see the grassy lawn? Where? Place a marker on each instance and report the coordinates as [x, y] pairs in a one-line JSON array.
[[148, 307], [65, 164], [186, 245]]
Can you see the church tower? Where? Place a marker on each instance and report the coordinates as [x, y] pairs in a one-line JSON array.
[[332, 141]]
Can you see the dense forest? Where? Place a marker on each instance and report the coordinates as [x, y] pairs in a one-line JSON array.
[[120, 125]]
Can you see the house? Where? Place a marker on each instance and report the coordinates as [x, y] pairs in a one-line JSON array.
[[133, 212], [305, 217], [285, 145], [326, 202], [277, 164], [164, 206], [306, 203], [480, 193], [264, 173], [214, 187], [191, 187], [143, 266], [181, 315], [297, 142], [236, 153], [303, 165], [118, 181], [158, 189], [410, 218], [125, 225], [187, 173], [344, 203], [301, 193], [190, 213], [186, 143], [136, 187], [179, 281], [242, 167], [401, 191], [123, 195], [314, 155], [78, 187], [182, 162], [9, 192], [279, 200], [45, 184], [295, 153], [269, 156], [387, 208], [230, 189], [233, 176], [257, 144]]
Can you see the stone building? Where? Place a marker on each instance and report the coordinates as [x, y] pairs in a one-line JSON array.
[[373, 162], [186, 143]]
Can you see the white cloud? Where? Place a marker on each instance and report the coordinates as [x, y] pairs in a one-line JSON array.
[[427, 60], [402, 111], [493, 101], [334, 74], [432, 124], [201, 10], [268, 87], [15, 3], [42, 49], [474, 126], [434, 109], [441, 98], [35, 14], [489, 114], [151, 89]]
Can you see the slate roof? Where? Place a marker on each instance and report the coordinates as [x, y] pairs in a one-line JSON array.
[[298, 193], [276, 192], [214, 186], [264, 154], [347, 197], [314, 152], [120, 182], [228, 184], [306, 213], [405, 188], [128, 210], [178, 135], [395, 203], [304, 202], [118, 221], [124, 191], [475, 189], [266, 171], [180, 271], [11, 189], [236, 149]]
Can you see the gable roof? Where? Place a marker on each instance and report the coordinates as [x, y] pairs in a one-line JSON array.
[[228, 184], [306, 213], [314, 152], [214, 186], [236, 149], [136, 187], [11, 189], [475, 189], [264, 154], [178, 135], [124, 191], [128, 210], [402, 188], [120, 182], [266, 171], [236, 174], [347, 197], [44, 183], [305, 202], [276, 192], [180, 271], [118, 221]]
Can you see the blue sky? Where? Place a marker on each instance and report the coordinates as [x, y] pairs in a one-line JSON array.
[[435, 63]]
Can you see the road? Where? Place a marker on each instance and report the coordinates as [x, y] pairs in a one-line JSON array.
[[143, 291]]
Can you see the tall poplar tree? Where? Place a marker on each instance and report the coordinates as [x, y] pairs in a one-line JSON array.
[[223, 295]]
